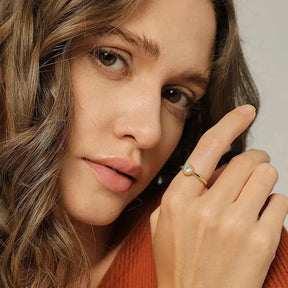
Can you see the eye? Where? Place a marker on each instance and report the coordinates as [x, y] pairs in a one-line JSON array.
[[177, 97], [110, 59]]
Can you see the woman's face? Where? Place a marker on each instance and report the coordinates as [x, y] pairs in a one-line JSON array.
[[131, 94]]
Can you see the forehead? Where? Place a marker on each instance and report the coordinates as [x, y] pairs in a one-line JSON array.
[[183, 30]]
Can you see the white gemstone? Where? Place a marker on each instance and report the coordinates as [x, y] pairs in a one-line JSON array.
[[187, 169]]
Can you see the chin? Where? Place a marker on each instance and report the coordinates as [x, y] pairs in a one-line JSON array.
[[105, 220], [101, 215]]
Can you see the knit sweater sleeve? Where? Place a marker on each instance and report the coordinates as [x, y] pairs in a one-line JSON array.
[[278, 273], [134, 267]]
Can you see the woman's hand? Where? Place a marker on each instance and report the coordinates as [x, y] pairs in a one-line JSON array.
[[225, 236]]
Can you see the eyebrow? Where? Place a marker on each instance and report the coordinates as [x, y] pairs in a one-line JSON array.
[[150, 47], [195, 77]]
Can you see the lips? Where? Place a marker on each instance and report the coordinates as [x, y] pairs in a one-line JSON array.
[[116, 174]]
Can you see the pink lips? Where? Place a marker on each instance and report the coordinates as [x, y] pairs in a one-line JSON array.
[[116, 174]]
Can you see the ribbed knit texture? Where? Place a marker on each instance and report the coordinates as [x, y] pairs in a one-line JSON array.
[[278, 274], [134, 267]]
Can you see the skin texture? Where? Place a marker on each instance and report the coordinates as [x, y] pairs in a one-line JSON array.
[[231, 241], [120, 110], [126, 112], [120, 113]]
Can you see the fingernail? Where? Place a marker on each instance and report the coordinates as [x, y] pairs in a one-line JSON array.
[[247, 109]]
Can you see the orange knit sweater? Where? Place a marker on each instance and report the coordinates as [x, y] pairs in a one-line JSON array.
[[133, 267]]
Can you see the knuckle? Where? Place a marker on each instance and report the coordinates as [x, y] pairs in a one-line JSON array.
[[263, 154], [273, 172], [281, 200], [266, 155], [153, 217], [267, 171], [234, 227], [207, 217], [278, 197], [262, 243], [243, 160], [172, 203], [166, 202], [209, 141]]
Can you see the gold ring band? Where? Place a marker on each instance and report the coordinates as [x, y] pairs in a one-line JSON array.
[[189, 170]]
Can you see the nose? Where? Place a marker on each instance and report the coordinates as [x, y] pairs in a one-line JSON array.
[[139, 118]]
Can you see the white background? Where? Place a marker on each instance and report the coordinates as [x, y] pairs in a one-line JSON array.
[[263, 28]]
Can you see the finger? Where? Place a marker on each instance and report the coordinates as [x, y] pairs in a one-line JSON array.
[[154, 219], [212, 145], [274, 214], [257, 189], [215, 175], [236, 175]]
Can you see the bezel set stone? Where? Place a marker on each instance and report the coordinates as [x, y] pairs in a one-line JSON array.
[[188, 169]]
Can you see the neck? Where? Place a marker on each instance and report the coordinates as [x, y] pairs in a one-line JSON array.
[[96, 240], [101, 244]]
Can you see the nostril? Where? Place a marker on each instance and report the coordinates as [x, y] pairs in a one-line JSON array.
[[140, 126]]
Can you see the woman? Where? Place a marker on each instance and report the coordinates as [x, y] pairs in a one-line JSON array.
[[96, 97]]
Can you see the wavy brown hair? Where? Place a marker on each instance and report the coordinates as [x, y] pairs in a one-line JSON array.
[[38, 245]]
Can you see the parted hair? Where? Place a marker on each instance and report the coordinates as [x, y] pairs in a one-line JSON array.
[[38, 244]]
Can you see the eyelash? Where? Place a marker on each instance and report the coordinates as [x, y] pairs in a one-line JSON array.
[[188, 100], [168, 92], [99, 53]]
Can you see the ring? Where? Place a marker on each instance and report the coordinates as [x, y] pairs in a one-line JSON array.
[[188, 170]]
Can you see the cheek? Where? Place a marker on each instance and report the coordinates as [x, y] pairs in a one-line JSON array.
[[172, 130], [90, 109]]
